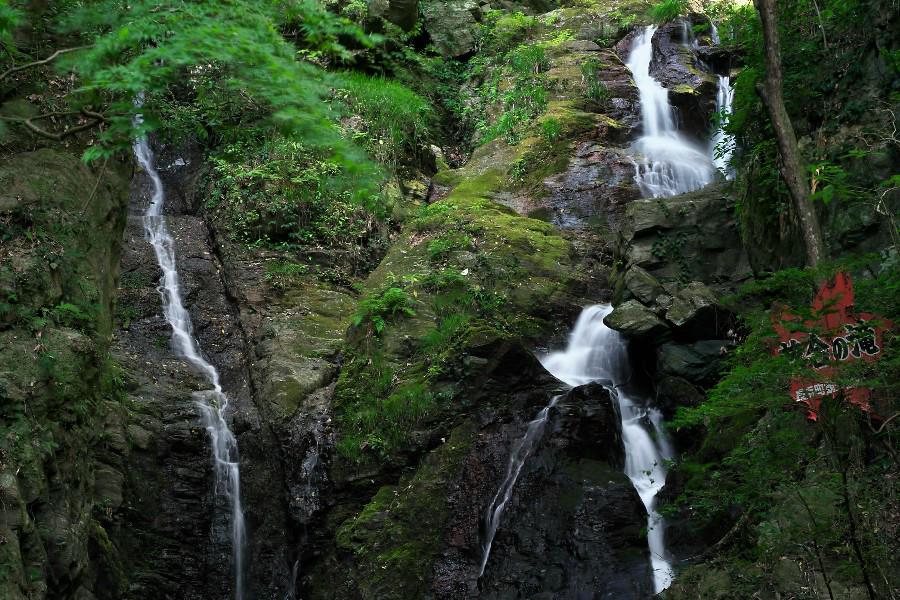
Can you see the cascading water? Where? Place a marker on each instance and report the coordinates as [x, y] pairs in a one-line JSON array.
[[668, 163], [721, 145], [523, 449], [597, 353], [714, 34], [212, 403]]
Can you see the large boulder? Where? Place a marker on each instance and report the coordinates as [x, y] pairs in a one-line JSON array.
[[643, 285], [402, 13], [688, 237], [697, 363], [452, 25], [636, 321], [696, 314], [672, 391]]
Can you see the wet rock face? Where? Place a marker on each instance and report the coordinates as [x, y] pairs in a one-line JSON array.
[[572, 527], [692, 90], [594, 188], [61, 434], [172, 512], [689, 237]]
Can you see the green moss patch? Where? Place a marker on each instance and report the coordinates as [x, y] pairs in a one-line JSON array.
[[396, 536]]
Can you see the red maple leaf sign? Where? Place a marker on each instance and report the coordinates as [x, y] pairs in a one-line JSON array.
[[836, 334]]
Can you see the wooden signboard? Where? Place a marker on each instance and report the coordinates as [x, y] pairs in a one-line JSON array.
[[834, 335]]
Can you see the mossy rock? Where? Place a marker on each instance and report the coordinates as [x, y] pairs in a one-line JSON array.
[[396, 536], [63, 227], [509, 277]]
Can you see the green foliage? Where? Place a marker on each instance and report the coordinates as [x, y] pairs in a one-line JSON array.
[[10, 18], [377, 310], [595, 89], [440, 247], [395, 121], [831, 181], [524, 100], [671, 248], [441, 338], [378, 417], [795, 483], [551, 129], [828, 89], [282, 275], [501, 32], [213, 68], [667, 10], [280, 193]]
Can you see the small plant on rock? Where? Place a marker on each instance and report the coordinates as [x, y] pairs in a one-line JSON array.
[[376, 310]]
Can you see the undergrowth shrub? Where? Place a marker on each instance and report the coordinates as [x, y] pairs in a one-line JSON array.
[[392, 122], [667, 10], [279, 193], [525, 100], [778, 483]]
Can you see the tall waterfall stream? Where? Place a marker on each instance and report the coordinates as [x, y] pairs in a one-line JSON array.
[[597, 353], [212, 403], [721, 146], [668, 163]]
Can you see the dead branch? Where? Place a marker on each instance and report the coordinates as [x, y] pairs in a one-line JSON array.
[[96, 119], [886, 421], [726, 539], [38, 63]]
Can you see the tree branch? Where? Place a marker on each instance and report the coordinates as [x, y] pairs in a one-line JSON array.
[[38, 63], [888, 420], [745, 517], [96, 117], [815, 541]]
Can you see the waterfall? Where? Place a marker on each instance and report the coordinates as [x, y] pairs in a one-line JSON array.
[[721, 146], [668, 163], [714, 33], [597, 353], [522, 450], [213, 402]]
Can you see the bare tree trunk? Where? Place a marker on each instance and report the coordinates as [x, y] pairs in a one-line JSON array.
[[792, 169]]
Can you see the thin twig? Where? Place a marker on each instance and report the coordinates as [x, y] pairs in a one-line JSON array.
[[816, 546], [96, 185], [38, 63], [886, 421], [821, 25]]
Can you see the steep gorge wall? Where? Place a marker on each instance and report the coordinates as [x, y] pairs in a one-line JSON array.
[[63, 415]]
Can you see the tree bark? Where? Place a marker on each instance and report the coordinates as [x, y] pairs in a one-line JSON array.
[[792, 169]]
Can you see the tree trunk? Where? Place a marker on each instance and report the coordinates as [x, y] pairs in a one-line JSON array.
[[792, 169]]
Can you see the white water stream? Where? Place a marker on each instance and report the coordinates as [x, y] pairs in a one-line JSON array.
[[721, 146], [521, 451], [597, 353], [212, 403], [667, 162]]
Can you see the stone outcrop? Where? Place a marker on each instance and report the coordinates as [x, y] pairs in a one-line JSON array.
[[689, 237]]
